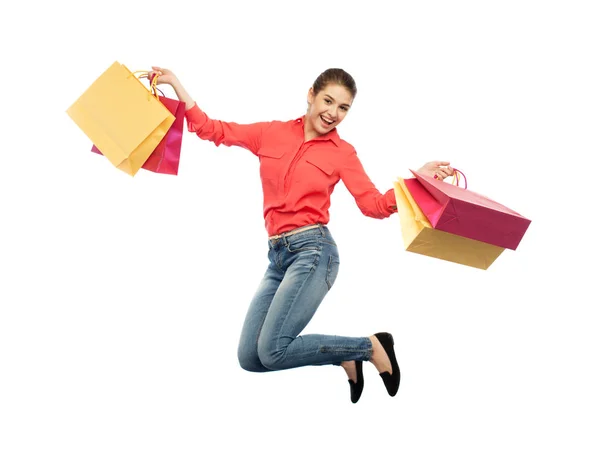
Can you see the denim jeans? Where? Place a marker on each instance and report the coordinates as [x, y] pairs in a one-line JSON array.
[[302, 269]]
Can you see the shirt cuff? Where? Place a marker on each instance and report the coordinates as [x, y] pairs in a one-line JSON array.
[[195, 117], [390, 201], [194, 113]]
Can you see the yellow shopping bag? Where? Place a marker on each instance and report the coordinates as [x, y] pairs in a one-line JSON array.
[[122, 117], [419, 236]]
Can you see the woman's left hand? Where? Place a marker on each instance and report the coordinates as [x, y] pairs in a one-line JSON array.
[[438, 169]]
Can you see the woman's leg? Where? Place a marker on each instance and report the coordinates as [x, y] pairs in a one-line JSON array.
[[309, 262], [255, 317]]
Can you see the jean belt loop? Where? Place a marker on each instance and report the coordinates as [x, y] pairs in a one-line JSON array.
[[321, 229]]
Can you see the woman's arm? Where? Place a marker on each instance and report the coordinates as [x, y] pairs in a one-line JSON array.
[[368, 198], [247, 136]]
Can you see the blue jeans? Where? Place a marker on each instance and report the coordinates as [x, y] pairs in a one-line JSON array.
[[302, 268]]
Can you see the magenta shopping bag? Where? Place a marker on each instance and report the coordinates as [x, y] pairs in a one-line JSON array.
[[456, 210], [165, 158]]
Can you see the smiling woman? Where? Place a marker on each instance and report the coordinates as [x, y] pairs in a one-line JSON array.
[[329, 100], [301, 161]]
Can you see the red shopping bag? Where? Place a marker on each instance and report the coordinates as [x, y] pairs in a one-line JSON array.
[[459, 211], [165, 157]]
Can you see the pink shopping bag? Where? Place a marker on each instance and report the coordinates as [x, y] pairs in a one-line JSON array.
[[459, 211]]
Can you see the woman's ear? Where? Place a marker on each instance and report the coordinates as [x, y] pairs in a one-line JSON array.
[[311, 96]]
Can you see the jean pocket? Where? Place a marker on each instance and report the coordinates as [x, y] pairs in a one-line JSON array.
[[332, 270]]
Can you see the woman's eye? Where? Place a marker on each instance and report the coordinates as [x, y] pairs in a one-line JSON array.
[[328, 101]]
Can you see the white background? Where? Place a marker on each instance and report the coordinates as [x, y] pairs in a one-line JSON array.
[[122, 298]]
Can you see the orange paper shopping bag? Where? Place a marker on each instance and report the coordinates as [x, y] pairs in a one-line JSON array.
[[165, 157], [123, 118]]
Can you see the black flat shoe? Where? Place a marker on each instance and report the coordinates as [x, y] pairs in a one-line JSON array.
[[391, 381], [357, 388]]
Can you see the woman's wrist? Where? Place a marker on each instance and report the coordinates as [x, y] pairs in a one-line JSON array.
[[182, 94]]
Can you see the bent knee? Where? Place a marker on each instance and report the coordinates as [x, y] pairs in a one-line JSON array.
[[250, 362], [271, 359]]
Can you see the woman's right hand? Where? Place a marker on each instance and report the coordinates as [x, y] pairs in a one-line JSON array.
[[164, 76]]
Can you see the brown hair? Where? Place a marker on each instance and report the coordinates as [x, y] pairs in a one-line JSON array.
[[336, 76]]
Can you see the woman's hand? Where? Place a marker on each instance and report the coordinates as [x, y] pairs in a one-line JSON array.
[[438, 169], [168, 77], [164, 76]]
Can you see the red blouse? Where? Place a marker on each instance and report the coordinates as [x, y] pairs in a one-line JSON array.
[[297, 176]]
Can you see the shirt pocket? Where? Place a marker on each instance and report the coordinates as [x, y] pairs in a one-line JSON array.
[[322, 165], [315, 174], [270, 165], [270, 153]]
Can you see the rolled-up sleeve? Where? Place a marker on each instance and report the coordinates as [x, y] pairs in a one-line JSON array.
[[368, 198], [247, 136]]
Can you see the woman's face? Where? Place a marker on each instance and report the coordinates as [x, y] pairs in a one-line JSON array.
[[327, 108]]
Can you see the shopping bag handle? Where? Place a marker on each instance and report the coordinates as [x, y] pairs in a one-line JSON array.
[[153, 87], [457, 176]]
